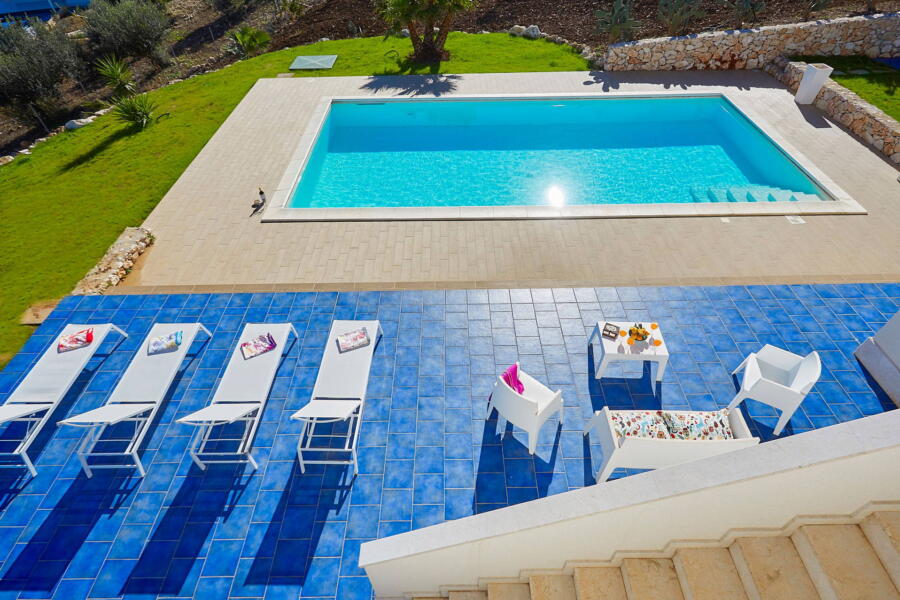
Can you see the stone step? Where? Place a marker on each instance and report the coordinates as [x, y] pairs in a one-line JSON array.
[[552, 587], [780, 196], [599, 583], [508, 591], [651, 579], [882, 529], [801, 197], [700, 195], [751, 193], [842, 564], [708, 574], [739, 195], [470, 595], [771, 569], [717, 195]]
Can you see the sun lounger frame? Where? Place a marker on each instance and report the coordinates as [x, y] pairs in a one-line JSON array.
[[36, 423], [142, 415], [335, 408], [249, 413]]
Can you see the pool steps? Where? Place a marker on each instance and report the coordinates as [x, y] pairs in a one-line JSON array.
[[751, 194]]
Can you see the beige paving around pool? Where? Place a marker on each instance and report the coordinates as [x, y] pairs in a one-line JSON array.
[[205, 239]]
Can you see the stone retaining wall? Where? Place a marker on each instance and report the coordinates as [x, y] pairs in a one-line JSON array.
[[871, 124], [116, 263], [873, 35]]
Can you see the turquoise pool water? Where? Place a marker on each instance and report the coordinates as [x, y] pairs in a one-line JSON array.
[[544, 152]]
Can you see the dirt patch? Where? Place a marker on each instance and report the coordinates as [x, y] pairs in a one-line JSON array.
[[572, 19], [36, 313], [199, 38]]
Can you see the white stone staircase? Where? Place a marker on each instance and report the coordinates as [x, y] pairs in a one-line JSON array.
[[817, 559], [750, 193]]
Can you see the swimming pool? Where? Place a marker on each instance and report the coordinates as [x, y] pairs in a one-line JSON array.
[[554, 153]]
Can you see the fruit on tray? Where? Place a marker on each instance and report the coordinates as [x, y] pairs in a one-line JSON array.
[[638, 332]]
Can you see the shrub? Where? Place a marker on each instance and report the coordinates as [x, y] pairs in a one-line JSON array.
[[137, 110], [677, 15], [127, 28], [811, 6], [744, 10], [249, 40], [34, 60], [116, 75], [617, 23]]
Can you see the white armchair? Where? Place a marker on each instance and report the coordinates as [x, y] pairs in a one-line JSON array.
[[529, 410], [778, 378]]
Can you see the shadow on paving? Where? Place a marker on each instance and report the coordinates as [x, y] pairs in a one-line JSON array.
[[306, 527], [41, 563], [181, 536], [683, 80], [413, 85], [506, 474]]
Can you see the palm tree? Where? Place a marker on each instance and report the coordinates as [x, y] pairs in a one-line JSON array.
[[428, 22]]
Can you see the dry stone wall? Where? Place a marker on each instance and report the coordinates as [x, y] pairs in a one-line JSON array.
[[871, 124], [873, 35], [116, 263]]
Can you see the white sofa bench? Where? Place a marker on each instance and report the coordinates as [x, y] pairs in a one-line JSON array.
[[633, 452]]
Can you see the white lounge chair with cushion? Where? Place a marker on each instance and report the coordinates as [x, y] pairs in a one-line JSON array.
[[779, 379], [528, 410], [46, 384], [644, 439], [339, 395], [240, 397], [136, 399]]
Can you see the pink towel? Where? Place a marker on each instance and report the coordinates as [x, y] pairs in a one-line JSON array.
[[511, 377]]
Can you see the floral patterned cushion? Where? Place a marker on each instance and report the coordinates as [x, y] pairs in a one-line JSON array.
[[639, 423], [699, 425]]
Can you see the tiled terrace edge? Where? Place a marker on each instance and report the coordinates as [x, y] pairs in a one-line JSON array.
[[427, 453], [205, 235], [597, 523]]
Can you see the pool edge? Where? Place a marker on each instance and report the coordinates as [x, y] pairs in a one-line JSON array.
[[277, 211]]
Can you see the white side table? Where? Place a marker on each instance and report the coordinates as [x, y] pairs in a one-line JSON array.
[[619, 350]]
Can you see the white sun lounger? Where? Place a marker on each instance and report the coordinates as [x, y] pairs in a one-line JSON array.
[[137, 398], [338, 395], [44, 387], [240, 397]]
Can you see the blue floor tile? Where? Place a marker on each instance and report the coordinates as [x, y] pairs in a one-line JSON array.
[[426, 453]]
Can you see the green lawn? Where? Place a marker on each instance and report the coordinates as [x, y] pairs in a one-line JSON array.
[[879, 86], [61, 207]]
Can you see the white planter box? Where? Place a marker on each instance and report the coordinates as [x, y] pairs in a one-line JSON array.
[[813, 79]]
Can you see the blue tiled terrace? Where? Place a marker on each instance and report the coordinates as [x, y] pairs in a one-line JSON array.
[[427, 454]]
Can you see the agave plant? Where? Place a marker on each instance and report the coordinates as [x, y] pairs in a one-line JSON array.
[[677, 15], [744, 10], [617, 23], [117, 75], [135, 110], [249, 40]]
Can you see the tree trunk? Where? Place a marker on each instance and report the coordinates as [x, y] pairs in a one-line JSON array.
[[431, 48], [415, 38], [442, 36]]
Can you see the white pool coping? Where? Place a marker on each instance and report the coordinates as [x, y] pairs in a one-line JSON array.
[[840, 202]]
